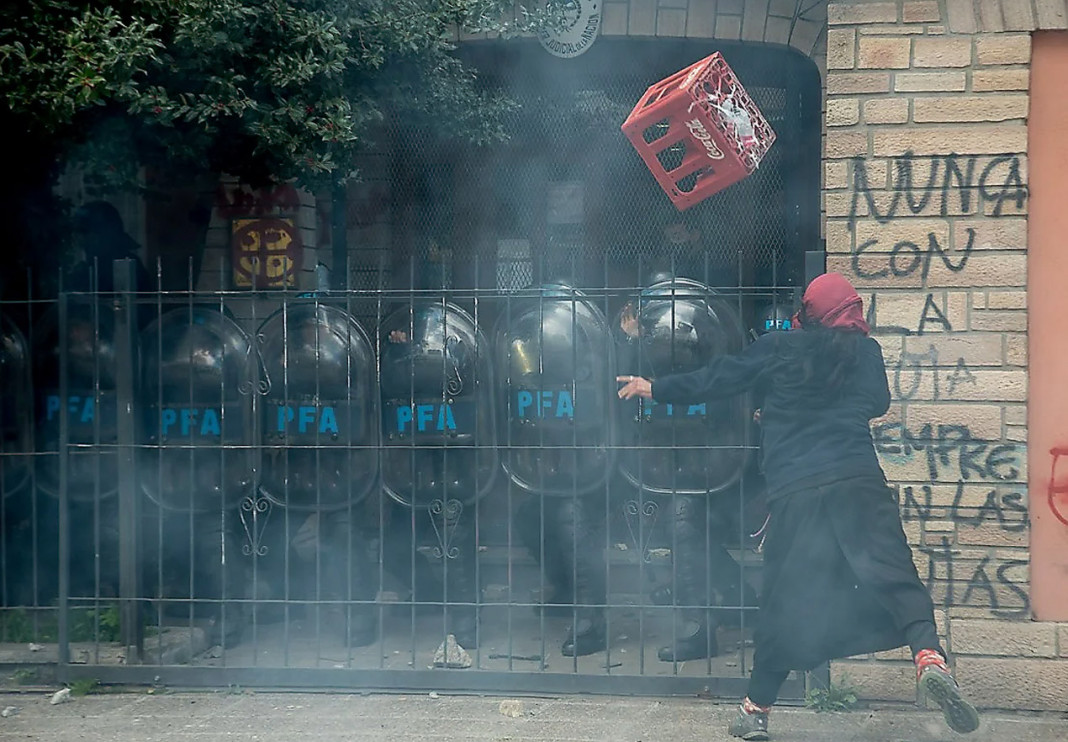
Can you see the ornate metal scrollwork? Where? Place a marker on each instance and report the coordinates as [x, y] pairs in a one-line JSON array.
[[641, 522], [255, 512], [449, 513], [454, 357], [262, 379]]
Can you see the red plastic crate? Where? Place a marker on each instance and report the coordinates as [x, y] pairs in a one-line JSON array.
[[698, 131]]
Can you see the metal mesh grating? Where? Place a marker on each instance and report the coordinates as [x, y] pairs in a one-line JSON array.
[[567, 196]]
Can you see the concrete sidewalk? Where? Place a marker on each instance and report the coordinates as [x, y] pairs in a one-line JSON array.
[[288, 717]]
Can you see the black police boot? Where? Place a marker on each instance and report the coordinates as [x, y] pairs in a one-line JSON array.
[[734, 600], [695, 638], [694, 629], [579, 531], [363, 626], [590, 638]]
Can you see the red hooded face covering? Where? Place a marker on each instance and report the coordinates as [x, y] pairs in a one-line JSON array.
[[832, 301]]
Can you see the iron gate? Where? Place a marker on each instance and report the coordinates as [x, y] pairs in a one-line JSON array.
[[319, 490], [262, 489]]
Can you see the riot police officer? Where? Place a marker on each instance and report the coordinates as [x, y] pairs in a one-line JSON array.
[[440, 454], [16, 496], [553, 354], [320, 434], [195, 465], [101, 238], [680, 323]]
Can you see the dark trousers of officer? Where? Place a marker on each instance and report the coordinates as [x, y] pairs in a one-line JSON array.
[[566, 537], [193, 567], [31, 549], [317, 565], [442, 582], [354, 554], [705, 576]]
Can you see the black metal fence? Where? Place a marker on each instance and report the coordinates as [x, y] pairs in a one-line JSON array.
[[422, 488]]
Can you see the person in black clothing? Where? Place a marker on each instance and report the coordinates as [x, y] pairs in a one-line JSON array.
[[839, 579], [99, 232]]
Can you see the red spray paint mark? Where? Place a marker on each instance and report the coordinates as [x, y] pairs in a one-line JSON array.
[[242, 201], [1058, 491]]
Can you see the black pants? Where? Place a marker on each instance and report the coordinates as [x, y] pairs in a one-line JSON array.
[[192, 561], [764, 684], [839, 580], [565, 536]]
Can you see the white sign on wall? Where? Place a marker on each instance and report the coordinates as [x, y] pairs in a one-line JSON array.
[[564, 201], [582, 23]]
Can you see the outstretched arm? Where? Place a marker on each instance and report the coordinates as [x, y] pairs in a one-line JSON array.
[[723, 377]]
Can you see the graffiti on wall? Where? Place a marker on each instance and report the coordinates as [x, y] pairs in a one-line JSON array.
[[902, 261], [971, 492], [985, 496], [905, 258], [917, 372], [265, 252], [950, 452], [931, 316], [952, 187], [993, 581], [1006, 509], [1057, 492]]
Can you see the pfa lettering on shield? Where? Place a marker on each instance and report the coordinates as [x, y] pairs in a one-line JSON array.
[[652, 409], [190, 421], [306, 419], [82, 409], [542, 403], [426, 417]]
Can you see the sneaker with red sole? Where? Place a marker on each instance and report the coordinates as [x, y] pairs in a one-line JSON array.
[[750, 723], [938, 684]]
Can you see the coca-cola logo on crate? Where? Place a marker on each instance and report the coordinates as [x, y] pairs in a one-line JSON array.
[[700, 133]]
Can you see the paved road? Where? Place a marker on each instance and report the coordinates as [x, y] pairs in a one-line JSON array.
[[288, 717]]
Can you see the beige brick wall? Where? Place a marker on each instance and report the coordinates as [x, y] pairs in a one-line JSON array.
[[769, 21], [926, 209]]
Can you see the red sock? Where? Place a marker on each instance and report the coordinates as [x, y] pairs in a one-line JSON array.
[[929, 658], [751, 708]]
